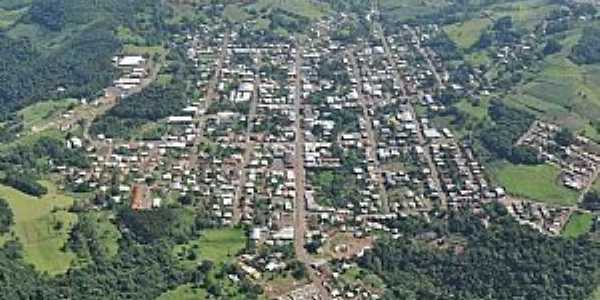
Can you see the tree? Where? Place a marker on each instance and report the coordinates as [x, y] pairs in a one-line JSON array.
[[587, 49], [551, 47], [6, 216], [565, 137]]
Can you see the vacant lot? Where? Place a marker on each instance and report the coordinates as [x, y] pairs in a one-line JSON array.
[[42, 226], [578, 224], [539, 183]]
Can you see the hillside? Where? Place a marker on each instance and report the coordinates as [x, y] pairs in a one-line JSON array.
[[56, 48]]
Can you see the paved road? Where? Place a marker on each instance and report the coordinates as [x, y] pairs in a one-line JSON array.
[[249, 143], [371, 138], [299, 172], [420, 138]]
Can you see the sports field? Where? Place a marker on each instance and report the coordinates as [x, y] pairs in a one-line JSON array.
[[539, 183]]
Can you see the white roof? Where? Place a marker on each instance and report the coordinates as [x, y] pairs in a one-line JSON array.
[[128, 61]]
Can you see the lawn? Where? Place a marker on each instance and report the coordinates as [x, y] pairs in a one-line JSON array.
[[539, 183], [578, 224], [217, 245], [466, 34], [37, 226]]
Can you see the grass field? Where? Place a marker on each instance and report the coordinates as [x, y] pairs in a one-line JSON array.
[[539, 183], [305, 8], [36, 227], [578, 224], [216, 245], [466, 34], [39, 114], [184, 292]]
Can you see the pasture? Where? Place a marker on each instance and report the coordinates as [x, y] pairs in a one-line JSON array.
[[42, 225]]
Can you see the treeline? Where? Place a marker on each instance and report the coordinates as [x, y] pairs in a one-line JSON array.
[[503, 260], [26, 184], [153, 103], [44, 149], [6, 216]]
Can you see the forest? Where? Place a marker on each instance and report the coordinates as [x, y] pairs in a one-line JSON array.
[[460, 258], [36, 68]]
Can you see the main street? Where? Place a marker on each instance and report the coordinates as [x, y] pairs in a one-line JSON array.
[[371, 138]]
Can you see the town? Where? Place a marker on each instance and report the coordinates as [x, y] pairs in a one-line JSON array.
[[316, 145]]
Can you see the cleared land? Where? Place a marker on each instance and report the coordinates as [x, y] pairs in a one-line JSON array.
[[42, 113], [42, 226], [184, 292], [539, 183], [216, 245], [466, 34], [578, 224]]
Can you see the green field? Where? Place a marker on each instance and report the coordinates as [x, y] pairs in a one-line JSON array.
[[466, 34], [39, 114], [539, 183], [184, 292], [36, 227], [305, 8], [217, 245], [578, 224], [403, 10]]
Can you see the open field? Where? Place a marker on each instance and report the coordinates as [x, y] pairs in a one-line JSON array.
[[41, 113], [305, 8], [525, 14], [184, 292], [466, 34], [578, 224], [539, 183], [216, 245], [42, 226]]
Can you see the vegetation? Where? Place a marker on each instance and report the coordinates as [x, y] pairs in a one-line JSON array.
[[6, 217], [578, 224], [542, 183], [500, 136], [504, 260], [139, 109], [25, 184], [587, 49], [41, 227]]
